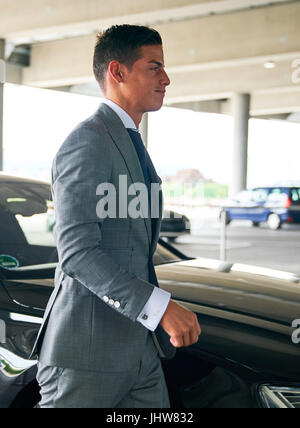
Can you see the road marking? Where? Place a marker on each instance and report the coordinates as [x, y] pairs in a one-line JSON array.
[[215, 243]]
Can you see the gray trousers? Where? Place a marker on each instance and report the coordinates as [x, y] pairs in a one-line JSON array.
[[143, 387]]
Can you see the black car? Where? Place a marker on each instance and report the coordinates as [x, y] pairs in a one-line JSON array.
[[174, 225], [247, 356]]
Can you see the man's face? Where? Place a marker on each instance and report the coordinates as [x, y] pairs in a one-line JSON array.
[[145, 83]]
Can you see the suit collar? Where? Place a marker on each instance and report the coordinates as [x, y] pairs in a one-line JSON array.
[[122, 140], [122, 114]]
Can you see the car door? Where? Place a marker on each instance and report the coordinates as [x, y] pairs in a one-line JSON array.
[[258, 212], [22, 302], [242, 203], [26, 277], [294, 208]]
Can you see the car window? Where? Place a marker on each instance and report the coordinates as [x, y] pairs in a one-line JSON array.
[[24, 237], [259, 195], [244, 196], [277, 196], [295, 196]]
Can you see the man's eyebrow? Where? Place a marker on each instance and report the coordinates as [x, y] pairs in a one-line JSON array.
[[156, 62]]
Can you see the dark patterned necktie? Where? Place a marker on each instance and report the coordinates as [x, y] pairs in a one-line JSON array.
[[143, 157]]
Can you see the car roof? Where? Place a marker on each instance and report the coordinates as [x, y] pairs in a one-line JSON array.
[[4, 177]]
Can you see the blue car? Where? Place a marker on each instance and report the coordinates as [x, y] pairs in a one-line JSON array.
[[272, 205]]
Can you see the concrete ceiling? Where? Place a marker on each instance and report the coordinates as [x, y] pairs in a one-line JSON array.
[[213, 48]]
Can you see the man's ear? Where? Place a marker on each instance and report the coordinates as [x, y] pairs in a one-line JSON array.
[[115, 70]]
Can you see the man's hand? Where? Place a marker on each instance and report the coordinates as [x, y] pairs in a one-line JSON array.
[[181, 325]]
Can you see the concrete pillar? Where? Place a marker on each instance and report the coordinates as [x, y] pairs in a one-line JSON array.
[[144, 129], [241, 114], [2, 80]]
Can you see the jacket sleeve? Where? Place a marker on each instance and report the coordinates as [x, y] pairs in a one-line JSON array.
[[84, 162]]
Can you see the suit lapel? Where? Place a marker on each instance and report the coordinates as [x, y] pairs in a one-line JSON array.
[[125, 146]]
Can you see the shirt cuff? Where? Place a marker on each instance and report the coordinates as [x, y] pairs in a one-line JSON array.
[[154, 309]]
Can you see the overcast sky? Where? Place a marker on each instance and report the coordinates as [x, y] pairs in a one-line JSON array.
[[36, 122]]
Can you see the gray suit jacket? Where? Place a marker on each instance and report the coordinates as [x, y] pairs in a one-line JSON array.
[[102, 280]]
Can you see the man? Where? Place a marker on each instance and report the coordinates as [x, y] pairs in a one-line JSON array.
[[96, 347]]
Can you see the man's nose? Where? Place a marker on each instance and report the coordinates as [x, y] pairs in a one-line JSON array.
[[165, 79]]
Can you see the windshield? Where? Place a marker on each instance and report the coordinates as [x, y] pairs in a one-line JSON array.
[[165, 253], [25, 237]]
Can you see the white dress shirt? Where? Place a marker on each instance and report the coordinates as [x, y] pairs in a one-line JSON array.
[[156, 306]]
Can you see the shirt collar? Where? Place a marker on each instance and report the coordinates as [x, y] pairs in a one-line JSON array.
[[123, 115]]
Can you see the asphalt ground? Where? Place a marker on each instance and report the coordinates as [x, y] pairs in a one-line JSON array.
[[258, 246]]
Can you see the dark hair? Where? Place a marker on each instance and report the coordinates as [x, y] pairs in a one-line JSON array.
[[121, 43]]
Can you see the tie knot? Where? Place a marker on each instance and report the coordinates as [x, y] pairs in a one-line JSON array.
[[135, 136]]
